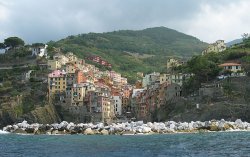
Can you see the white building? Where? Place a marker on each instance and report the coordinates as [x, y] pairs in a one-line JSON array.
[[150, 79], [39, 50], [177, 78], [117, 105], [234, 68]]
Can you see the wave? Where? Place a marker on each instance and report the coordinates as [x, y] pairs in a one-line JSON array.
[[3, 132]]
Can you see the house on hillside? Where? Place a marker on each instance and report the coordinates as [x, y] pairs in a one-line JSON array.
[[39, 50], [54, 65], [216, 47], [61, 58], [232, 69], [173, 63]]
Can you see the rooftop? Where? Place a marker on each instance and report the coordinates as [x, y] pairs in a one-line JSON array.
[[229, 64]]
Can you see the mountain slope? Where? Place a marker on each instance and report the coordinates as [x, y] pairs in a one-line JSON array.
[[233, 42], [116, 47]]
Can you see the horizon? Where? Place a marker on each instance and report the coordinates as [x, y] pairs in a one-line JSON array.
[[206, 20]]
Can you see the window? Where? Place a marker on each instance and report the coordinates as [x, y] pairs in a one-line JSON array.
[[237, 67]]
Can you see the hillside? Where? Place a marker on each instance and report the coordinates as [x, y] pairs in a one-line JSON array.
[[116, 47], [233, 42]]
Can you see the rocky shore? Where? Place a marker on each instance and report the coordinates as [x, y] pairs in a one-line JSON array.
[[128, 128]]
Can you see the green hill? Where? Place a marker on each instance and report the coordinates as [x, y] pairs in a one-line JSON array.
[[118, 47]]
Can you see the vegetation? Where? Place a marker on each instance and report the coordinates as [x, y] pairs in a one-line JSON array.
[[205, 68], [116, 47], [13, 42]]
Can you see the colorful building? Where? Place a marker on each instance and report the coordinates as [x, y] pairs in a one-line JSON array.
[[54, 65], [57, 82]]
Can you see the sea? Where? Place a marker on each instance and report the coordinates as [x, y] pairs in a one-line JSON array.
[[218, 144]]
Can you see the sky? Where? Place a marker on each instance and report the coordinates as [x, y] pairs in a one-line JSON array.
[[45, 20]]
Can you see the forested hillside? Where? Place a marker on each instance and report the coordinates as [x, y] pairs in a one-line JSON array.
[[157, 44]]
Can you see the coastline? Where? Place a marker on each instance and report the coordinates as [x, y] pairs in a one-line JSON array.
[[128, 129]]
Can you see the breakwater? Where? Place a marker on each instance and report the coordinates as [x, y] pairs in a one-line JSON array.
[[128, 128]]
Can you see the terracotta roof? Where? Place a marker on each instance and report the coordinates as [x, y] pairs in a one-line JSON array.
[[229, 64]]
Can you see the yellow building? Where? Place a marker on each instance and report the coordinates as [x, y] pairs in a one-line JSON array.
[[57, 82], [78, 93], [54, 64]]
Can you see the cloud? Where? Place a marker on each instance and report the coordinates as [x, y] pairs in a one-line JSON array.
[[226, 21], [41, 21]]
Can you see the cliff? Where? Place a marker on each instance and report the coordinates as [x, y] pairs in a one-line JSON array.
[[11, 111]]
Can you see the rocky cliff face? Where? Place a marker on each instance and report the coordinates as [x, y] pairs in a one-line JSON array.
[[11, 112], [42, 115]]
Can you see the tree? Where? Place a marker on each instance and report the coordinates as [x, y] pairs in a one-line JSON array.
[[204, 69], [13, 42], [2, 46], [245, 36]]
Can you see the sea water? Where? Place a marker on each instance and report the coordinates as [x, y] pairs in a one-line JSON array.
[[194, 144]]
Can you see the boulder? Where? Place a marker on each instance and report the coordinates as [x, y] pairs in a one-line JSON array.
[[30, 130], [146, 129], [227, 126], [20, 131], [105, 132], [14, 127], [221, 125], [70, 127], [214, 127], [54, 132], [24, 124], [128, 132], [172, 126], [77, 129], [8, 128], [88, 131], [55, 126], [139, 123], [100, 126], [239, 124], [62, 126]]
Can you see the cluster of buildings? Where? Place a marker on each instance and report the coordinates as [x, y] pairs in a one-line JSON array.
[[89, 94], [156, 90], [86, 92], [99, 60]]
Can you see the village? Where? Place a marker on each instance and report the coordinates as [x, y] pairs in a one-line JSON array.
[[90, 95]]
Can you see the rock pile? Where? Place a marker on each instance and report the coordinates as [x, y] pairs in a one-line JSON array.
[[128, 128]]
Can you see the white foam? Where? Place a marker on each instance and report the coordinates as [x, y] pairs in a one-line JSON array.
[[3, 132]]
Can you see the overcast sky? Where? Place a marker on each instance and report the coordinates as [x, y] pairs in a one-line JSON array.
[[45, 20]]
